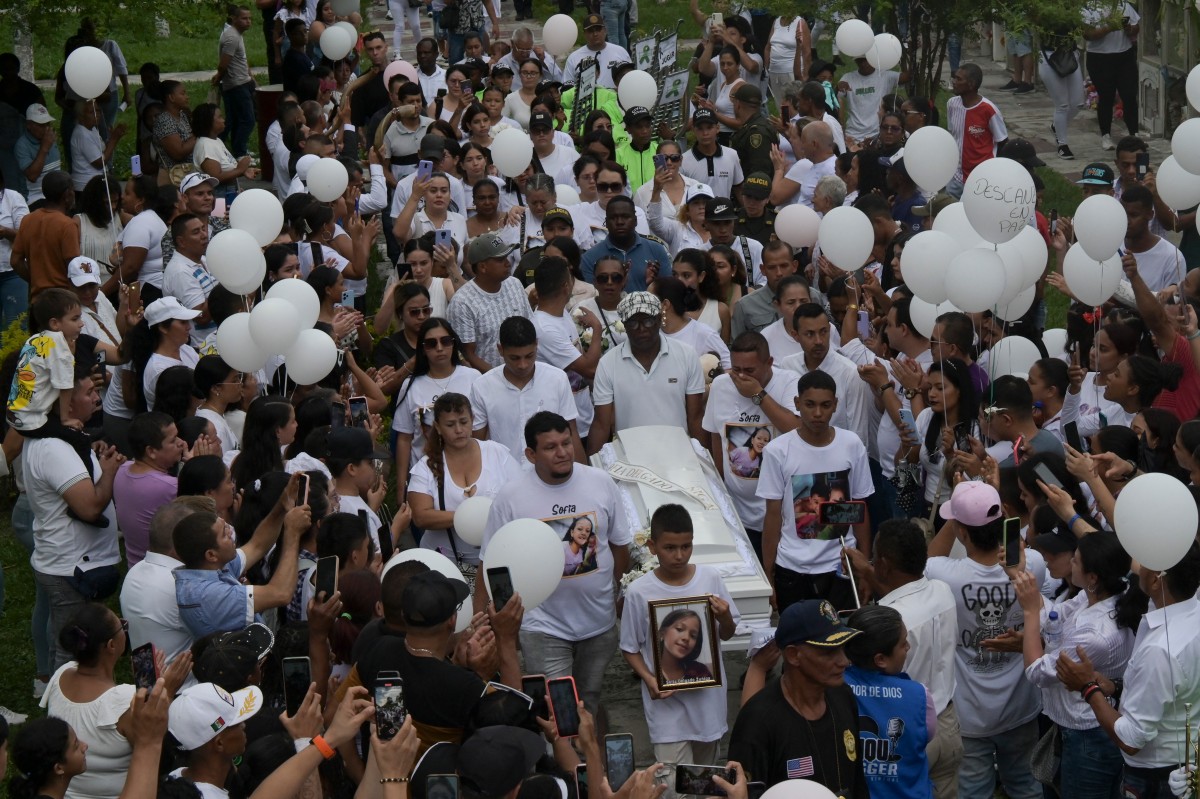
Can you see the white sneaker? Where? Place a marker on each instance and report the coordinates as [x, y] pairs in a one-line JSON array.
[[39, 688], [12, 716], [1106, 142]]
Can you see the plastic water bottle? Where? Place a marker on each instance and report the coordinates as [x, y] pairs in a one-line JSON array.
[[1053, 631]]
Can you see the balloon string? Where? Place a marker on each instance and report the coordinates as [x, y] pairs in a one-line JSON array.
[[116, 215]]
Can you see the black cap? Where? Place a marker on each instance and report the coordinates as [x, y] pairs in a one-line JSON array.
[[540, 119], [619, 66], [637, 113], [812, 621], [441, 758], [1097, 174], [1055, 542], [257, 637], [757, 186], [720, 209], [432, 147], [593, 21], [547, 85], [558, 213], [499, 68], [431, 598], [495, 760], [1021, 151], [703, 116]]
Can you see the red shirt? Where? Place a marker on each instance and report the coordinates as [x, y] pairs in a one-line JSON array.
[[1184, 402]]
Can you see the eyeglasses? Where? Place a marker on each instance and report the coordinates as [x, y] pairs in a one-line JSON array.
[[673, 159], [125, 626], [603, 279], [610, 187], [424, 311], [441, 341], [645, 323], [530, 73]]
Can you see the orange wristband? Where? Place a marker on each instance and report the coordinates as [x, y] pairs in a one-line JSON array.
[[323, 747]]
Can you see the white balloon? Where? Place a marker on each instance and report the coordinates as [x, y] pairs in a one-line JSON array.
[[1193, 87], [439, 563], [559, 34], [534, 556], [1155, 520], [236, 346], [336, 43], [1012, 355], [311, 358], [924, 314], [236, 261], [302, 297], [846, 237], [1055, 340], [798, 225], [924, 262], [1014, 272], [931, 157], [512, 152], [798, 789], [953, 220], [975, 280], [566, 195], [259, 213], [1090, 281], [1099, 225], [1177, 187], [1033, 254], [637, 88], [274, 324], [349, 28], [1185, 145], [470, 519], [885, 53], [1018, 306], [88, 72], [999, 199], [854, 38], [327, 179]]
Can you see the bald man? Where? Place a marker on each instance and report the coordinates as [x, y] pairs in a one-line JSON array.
[[800, 182]]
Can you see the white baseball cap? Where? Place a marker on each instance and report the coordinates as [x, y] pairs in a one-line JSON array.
[[166, 308], [193, 179], [38, 113], [83, 270], [201, 712]]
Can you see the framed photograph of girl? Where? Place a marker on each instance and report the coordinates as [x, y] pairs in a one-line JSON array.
[[686, 653]]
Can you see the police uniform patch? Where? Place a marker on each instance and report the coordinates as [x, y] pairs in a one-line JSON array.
[[756, 140]]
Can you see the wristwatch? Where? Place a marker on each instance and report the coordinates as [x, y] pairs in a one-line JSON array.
[[909, 393], [757, 399]]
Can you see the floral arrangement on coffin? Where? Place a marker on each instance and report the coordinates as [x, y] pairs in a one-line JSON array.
[[585, 333], [640, 560]]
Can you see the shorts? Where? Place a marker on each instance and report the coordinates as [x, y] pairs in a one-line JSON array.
[[1018, 43]]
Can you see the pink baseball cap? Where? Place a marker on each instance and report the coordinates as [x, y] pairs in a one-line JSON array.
[[973, 504]]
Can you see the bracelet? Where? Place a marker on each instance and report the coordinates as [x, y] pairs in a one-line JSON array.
[[852, 307], [885, 387], [327, 751], [1071, 524], [1195, 334], [1089, 689], [383, 780]]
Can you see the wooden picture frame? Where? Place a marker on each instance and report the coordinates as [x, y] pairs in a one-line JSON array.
[[700, 667]]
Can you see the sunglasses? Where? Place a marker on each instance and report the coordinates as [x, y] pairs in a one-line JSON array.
[[423, 311], [673, 159], [603, 279], [441, 341], [646, 323], [610, 187]]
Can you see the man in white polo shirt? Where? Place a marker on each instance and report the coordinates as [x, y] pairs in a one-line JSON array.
[[558, 339], [708, 162], [503, 399], [649, 379], [148, 593]]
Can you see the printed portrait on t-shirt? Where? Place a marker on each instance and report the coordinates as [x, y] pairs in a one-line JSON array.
[[580, 544], [744, 445], [808, 492]]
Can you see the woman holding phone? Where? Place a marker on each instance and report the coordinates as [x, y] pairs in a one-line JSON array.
[[412, 223], [947, 416]]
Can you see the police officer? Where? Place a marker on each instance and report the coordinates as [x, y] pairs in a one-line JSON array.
[[757, 220], [756, 136]]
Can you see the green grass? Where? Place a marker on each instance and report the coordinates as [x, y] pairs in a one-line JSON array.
[[17, 666]]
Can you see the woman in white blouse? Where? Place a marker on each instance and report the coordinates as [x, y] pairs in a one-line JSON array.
[[210, 154], [676, 299], [518, 104], [456, 466], [141, 257], [685, 228], [786, 54], [412, 223], [943, 424]]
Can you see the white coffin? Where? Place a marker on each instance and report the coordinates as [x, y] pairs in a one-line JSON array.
[[663, 453]]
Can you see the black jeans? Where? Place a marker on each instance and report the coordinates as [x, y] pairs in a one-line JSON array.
[[791, 587], [1115, 73]]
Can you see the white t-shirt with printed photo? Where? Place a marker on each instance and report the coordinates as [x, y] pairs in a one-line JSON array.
[[801, 476], [586, 513], [742, 425]]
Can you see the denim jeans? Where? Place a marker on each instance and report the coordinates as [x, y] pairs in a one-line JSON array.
[[14, 297], [458, 45], [64, 602], [22, 522], [584, 660], [1091, 765], [239, 116], [1147, 783], [1007, 752], [615, 12]]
